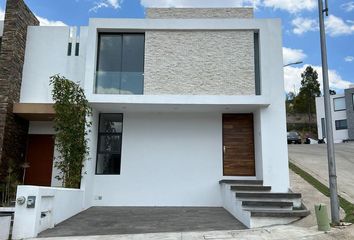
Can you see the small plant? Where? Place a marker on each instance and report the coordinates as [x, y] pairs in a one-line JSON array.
[[9, 187], [71, 125]]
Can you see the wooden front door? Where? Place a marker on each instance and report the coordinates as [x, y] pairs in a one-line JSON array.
[[40, 150], [238, 145]]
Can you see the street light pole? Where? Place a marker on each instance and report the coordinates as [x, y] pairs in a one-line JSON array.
[[328, 117]]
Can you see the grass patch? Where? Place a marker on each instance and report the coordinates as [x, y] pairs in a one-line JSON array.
[[347, 206]]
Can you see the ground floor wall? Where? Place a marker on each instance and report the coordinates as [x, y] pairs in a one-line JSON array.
[[176, 159]]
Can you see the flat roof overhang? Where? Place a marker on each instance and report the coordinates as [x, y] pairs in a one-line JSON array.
[[173, 103], [34, 111]]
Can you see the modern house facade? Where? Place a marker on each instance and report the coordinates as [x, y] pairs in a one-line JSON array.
[[188, 110], [342, 116]]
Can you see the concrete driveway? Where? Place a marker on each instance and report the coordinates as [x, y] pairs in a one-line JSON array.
[[313, 159], [138, 220]]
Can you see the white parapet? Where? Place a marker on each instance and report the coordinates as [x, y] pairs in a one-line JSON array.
[[49, 207]]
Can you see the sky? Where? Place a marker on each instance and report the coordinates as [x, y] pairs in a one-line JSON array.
[[299, 18]]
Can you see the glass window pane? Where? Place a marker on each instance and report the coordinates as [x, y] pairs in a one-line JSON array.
[[110, 50], [109, 64], [339, 104], [108, 164], [111, 123], [110, 143], [120, 67], [341, 124], [133, 64]]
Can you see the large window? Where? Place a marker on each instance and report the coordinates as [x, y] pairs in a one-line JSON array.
[[120, 63], [341, 124], [109, 144], [339, 104]]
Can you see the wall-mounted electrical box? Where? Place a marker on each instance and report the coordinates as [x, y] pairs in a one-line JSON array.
[[31, 201]]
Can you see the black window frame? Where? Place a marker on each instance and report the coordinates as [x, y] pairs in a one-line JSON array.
[[334, 105], [99, 134], [339, 126], [99, 34], [257, 63]]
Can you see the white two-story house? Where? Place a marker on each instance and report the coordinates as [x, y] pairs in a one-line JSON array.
[[188, 110]]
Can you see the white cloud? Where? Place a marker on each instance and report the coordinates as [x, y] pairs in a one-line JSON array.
[[349, 58], [199, 3], [348, 7], [2, 14], [303, 25], [46, 22], [292, 78], [115, 4], [291, 5], [291, 55], [335, 26]]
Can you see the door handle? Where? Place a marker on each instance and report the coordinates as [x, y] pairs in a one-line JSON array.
[[224, 149]]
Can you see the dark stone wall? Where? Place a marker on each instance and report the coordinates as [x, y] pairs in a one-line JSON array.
[[13, 130], [350, 111]]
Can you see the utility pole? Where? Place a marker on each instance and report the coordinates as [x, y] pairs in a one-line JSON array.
[[328, 116]]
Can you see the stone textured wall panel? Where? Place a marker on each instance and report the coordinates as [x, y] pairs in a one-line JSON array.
[[199, 63], [13, 130], [189, 13]]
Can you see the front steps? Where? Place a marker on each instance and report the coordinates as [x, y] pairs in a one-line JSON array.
[[256, 206]]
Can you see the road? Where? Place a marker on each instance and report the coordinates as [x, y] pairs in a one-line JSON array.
[[313, 159]]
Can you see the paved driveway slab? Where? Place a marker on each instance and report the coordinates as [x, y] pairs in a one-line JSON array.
[[313, 159], [134, 220]]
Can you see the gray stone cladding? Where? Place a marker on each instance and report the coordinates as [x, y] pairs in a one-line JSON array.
[[13, 130], [189, 13], [349, 98], [199, 63]]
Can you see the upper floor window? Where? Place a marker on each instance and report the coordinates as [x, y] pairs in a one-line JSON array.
[[120, 63], [339, 104]]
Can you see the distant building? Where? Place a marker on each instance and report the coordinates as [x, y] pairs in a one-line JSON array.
[[342, 116]]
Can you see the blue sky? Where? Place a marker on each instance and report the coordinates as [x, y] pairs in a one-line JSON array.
[[300, 27]]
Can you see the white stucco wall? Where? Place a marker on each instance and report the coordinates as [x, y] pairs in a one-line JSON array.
[[168, 159], [45, 56], [338, 135], [58, 204]]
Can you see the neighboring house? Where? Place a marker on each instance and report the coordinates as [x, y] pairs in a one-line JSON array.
[[342, 116], [181, 100]]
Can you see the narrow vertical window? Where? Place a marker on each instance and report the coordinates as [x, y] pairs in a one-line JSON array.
[[323, 127], [69, 48], [109, 144], [77, 49], [257, 64]]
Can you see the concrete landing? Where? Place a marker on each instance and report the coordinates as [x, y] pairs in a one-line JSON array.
[[136, 220]]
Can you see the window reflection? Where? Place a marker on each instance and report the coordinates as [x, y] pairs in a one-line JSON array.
[[120, 65]]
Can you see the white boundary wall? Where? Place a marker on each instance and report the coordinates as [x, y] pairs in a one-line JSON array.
[[58, 204]]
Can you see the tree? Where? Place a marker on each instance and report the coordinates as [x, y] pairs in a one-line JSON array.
[[310, 89], [71, 125]]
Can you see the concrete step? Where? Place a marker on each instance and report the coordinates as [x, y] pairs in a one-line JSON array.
[[262, 204], [267, 195], [254, 188], [242, 182], [280, 213]]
